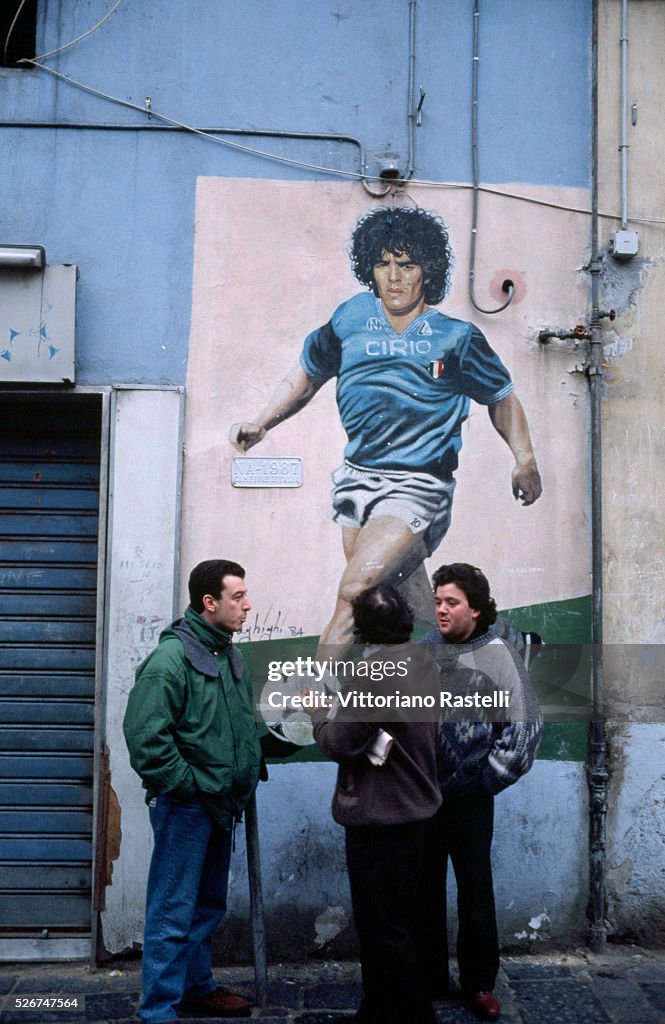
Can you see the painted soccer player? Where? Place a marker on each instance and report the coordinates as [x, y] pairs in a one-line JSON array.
[[406, 374]]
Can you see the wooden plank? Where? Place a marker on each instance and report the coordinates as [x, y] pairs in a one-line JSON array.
[[23, 448], [75, 877], [51, 603], [28, 550], [37, 497], [17, 739], [49, 577], [53, 712], [65, 659], [48, 631], [33, 910], [24, 766], [24, 684], [45, 794], [44, 471], [44, 820], [36, 524], [40, 848]]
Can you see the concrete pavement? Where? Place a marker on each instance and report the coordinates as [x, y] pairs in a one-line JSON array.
[[624, 985]]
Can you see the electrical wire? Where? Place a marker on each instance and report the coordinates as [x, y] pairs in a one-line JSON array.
[[65, 46], [354, 175], [11, 29]]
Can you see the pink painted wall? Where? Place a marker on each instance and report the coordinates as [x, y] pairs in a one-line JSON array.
[[270, 265]]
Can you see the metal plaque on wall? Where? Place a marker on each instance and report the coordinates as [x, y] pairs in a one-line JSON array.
[[266, 472]]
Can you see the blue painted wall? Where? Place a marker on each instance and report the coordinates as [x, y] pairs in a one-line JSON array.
[[120, 204]]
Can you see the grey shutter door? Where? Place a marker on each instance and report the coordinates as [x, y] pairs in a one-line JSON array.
[[49, 506]]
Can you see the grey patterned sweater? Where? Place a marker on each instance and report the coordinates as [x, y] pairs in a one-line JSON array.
[[484, 750]]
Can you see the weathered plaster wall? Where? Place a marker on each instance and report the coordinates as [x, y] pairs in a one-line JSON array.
[[142, 564], [633, 459], [126, 207], [541, 825], [636, 860]]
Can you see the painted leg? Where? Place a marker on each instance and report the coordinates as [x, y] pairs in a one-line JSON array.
[[417, 591], [383, 551]]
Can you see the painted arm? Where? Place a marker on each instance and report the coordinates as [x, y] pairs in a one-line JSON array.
[[290, 396], [510, 422]]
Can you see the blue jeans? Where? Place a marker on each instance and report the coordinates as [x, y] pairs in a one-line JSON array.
[[185, 903]]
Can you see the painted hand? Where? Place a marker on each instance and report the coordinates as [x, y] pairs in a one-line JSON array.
[[244, 436], [527, 486]]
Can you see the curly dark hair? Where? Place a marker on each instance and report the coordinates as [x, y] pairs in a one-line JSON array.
[[421, 235], [382, 616], [476, 587]]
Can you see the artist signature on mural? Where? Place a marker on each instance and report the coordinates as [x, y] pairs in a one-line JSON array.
[[271, 626]]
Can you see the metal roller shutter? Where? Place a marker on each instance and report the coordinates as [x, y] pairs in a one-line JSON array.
[[49, 506]]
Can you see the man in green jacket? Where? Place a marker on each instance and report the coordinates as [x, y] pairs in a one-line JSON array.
[[192, 738]]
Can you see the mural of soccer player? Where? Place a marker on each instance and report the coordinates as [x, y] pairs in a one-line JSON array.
[[406, 374]]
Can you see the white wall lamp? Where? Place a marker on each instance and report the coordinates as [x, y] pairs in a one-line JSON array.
[[22, 257]]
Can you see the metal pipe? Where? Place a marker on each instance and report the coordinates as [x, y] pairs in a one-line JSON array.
[[576, 334], [411, 111], [508, 286], [152, 126], [624, 113], [256, 903], [597, 750]]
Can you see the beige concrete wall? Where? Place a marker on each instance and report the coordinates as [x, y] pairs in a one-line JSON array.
[[634, 415], [633, 469]]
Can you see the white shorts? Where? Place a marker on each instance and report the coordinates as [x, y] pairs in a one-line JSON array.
[[421, 501]]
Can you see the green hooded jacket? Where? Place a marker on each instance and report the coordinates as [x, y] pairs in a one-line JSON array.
[[189, 723]]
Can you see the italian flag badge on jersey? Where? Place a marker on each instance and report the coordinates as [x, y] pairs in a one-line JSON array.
[[435, 368]]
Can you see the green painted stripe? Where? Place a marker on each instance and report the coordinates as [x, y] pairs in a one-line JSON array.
[[566, 624]]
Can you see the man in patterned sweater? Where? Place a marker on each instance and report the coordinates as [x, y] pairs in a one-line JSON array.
[[481, 752]]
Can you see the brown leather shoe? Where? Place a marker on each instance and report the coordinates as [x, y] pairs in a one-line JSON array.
[[220, 1003], [485, 1005]]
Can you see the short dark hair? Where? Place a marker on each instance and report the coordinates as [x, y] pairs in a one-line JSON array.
[[382, 616], [208, 578], [404, 229], [476, 587]]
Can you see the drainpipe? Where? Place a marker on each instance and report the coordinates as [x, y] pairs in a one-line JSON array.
[[597, 748], [412, 113], [624, 114], [507, 286]]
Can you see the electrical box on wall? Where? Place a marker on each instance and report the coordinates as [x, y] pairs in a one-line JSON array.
[[624, 244], [37, 324]]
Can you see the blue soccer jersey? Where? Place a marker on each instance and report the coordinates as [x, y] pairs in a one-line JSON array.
[[402, 398]]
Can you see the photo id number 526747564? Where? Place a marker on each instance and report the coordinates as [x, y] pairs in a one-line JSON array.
[[14, 1003]]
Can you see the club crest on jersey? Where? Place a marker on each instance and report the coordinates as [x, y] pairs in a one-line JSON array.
[[374, 324], [435, 368]]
